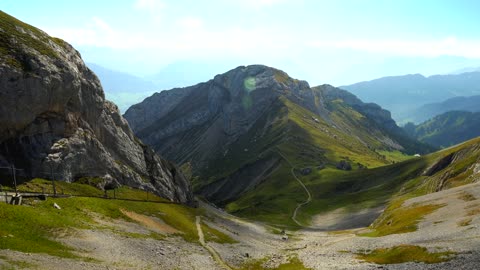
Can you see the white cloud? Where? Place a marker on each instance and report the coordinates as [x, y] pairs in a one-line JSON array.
[[96, 32], [190, 38], [150, 5], [426, 48], [190, 23], [260, 3]]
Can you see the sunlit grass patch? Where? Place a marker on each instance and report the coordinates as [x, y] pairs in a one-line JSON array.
[[404, 253], [294, 263], [397, 219]]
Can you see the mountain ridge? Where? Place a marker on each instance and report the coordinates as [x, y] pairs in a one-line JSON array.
[[400, 94], [447, 129], [460, 103]]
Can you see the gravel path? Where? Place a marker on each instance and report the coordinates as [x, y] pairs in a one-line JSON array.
[[212, 251], [309, 196]]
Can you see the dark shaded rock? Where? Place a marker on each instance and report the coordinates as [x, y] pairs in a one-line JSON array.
[[361, 166], [344, 165], [439, 165], [306, 171]]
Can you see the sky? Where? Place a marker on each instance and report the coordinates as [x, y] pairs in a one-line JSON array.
[[337, 42]]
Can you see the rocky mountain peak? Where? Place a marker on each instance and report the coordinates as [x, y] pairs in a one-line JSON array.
[[240, 95], [256, 77]]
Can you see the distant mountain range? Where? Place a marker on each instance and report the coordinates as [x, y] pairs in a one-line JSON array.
[[126, 89], [122, 88], [447, 129], [465, 70], [402, 94], [427, 111]]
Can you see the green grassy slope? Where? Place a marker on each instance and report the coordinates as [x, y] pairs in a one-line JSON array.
[[445, 169], [447, 129], [275, 199], [319, 146], [35, 227], [14, 33]]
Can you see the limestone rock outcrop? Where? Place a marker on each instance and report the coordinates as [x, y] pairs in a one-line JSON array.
[[53, 114]]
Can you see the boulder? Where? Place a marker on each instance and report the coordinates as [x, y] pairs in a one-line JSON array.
[[344, 165], [306, 171]]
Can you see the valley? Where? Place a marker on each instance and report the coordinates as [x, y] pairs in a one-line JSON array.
[[252, 169], [146, 235]]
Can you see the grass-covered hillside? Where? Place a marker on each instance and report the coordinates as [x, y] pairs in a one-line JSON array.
[[298, 137], [449, 168], [38, 227], [353, 191], [447, 129], [15, 34]]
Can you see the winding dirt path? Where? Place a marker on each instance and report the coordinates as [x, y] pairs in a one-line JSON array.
[[309, 196], [201, 239]]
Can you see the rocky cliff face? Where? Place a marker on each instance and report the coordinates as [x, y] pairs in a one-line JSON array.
[[53, 113]]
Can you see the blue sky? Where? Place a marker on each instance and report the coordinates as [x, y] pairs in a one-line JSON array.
[[336, 42]]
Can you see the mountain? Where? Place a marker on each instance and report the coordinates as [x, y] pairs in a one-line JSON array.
[[427, 111], [447, 129], [238, 133], [54, 116], [122, 88], [401, 94], [465, 70]]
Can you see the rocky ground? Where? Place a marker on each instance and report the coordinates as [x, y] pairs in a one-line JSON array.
[[116, 245]]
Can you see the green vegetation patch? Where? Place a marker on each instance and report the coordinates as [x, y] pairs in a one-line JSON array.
[[43, 185], [307, 143], [89, 180], [270, 204], [294, 263], [15, 264], [397, 219], [405, 253], [128, 193], [214, 235], [14, 34], [394, 156], [33, 228]]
